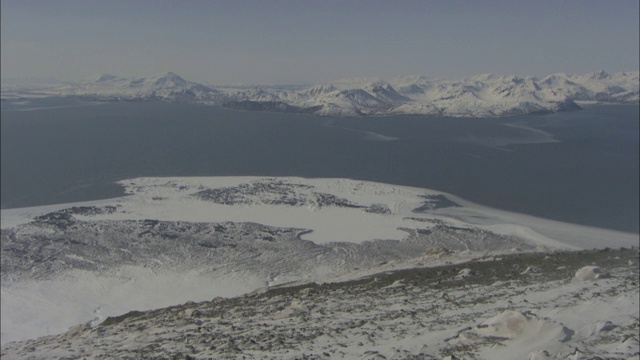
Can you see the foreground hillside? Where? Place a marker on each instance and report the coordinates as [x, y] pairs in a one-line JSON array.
[[536, 306], [174, 240]]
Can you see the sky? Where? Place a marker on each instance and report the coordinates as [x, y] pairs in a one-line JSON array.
[[305, 42]]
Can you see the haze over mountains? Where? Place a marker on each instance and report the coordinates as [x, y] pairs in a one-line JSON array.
[[171, 240], [480, 95]]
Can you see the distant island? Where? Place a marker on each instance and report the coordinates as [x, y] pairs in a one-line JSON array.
[[483, 95]]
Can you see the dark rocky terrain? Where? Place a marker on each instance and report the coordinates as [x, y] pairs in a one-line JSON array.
[[418, 313]]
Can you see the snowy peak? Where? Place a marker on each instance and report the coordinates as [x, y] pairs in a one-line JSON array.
[[479, 95], [360, 97], [600, 86], [161, 82], [354, 83], [556, 79], [164, 87], [599, 75], [384, 91], [511, 86], [101, 78], [483, 77], [351, 97], [319, 90], [414, 85], [167, 80]]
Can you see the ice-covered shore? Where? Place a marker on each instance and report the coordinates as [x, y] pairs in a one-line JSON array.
[[173, 240], [335, 209]]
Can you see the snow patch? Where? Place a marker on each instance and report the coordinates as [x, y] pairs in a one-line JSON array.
[[589, 273]]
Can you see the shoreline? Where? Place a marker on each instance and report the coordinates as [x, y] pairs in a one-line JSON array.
[[617, 214], [241, 234], [15, 216]]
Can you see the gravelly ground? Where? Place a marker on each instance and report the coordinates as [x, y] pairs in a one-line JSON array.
[[420, 313], [57, 243]]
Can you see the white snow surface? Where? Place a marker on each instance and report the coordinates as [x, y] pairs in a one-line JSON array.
[[333, 230], [171, 199], [589, 273]]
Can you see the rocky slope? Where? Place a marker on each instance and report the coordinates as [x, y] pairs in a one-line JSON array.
[[536, 306]]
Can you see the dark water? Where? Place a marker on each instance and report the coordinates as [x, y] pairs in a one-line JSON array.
[[75, 152]]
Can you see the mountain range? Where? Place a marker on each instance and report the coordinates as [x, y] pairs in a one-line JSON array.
[[480, 95]]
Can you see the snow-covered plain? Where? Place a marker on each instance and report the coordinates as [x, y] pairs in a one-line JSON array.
[[173, 240]]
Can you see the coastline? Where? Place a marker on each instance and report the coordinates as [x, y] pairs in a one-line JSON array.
[[471, 212]]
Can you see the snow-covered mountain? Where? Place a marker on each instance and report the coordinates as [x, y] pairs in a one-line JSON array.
[[167, 87], [620, 87], [481, 95]]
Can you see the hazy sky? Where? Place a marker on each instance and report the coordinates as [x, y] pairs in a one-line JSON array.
[[268, 41]]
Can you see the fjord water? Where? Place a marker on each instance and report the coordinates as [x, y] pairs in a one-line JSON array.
[[579, 167]]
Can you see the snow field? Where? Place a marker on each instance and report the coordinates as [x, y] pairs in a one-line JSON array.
[[357, 228]]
